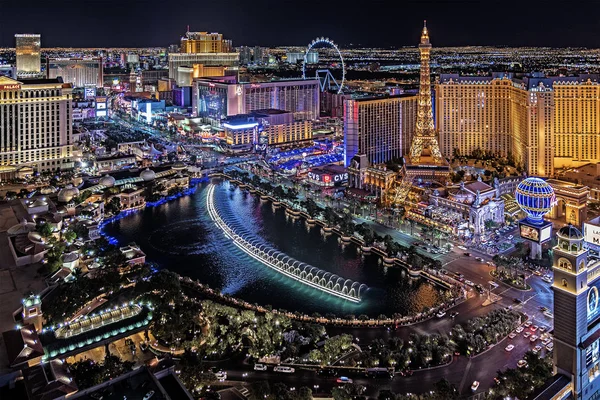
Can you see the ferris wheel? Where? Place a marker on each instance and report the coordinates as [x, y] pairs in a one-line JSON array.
[[326, 79]]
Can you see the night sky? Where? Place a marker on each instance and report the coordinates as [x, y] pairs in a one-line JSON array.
[[370, 23]]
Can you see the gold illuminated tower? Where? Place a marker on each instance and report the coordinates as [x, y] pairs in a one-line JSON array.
[[425, 140]]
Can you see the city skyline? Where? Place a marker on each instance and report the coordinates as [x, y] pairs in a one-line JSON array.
[[143, 24]]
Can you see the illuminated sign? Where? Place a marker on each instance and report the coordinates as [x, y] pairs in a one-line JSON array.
[[327, 178], [591, 234], [242, 126], [592, 353], [535, 233], [11, 86], [592, 302], [530, 233], [90, 92], [238, 90]]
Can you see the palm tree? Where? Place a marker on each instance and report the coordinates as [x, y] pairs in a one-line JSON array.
[[438, 235]]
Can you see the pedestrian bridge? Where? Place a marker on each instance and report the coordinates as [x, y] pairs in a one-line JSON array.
[[262, 251]]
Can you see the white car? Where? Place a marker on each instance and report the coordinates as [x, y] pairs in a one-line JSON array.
[[440, 314], [260, 367], [287, 370], [522, 364], [537, 349], [149, 395], [533, 338], [512, 335], [550, 346], [519, 329], [510, 347], [221, 376], [462, 247], [526, 334], [548, 314], [475, 385], [469, 283]]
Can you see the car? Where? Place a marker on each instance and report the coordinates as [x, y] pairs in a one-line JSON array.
[[260, 367], [493, 284], [440, 314], [550, 346], [467, 254], [510, 347], [512, 335], [221, 376], [526, 334], [453, 314], [547, 279], [537, 349], [519, 329], [475, 385], [149, 395], [528, 323], [479, 259], [343, 379], [522, 364], [543, 328], [510, 237], [468, 282], [462, 247], [534, 328], [533, 338], [537, 273], [548, 314], [517, 300], [287, 370]]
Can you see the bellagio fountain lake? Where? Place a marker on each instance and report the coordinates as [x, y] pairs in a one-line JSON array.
[[208, 234]]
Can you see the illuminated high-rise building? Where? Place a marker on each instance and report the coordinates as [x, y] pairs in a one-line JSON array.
[[203, 48], [425, 140], [28, 54], [36, 123], [202, 42], [541, 122], [215, 99], [378, 127], [79, 72]]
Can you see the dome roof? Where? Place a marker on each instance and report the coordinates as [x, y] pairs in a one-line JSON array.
[[107, 181], [570, 232], [178, 165], [147, 175], [66, 194], [535, 197], [19, 229]]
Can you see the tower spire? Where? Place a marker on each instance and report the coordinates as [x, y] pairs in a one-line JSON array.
[[425, 136]]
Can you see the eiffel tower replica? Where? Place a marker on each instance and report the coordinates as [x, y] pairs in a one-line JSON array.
[[424, 165]]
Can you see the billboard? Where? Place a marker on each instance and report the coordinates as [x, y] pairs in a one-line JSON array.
[[591, 354], [535, 233], [591, 234], [593, 309]]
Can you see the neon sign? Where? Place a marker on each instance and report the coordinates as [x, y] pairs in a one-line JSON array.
[[11, 86]]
